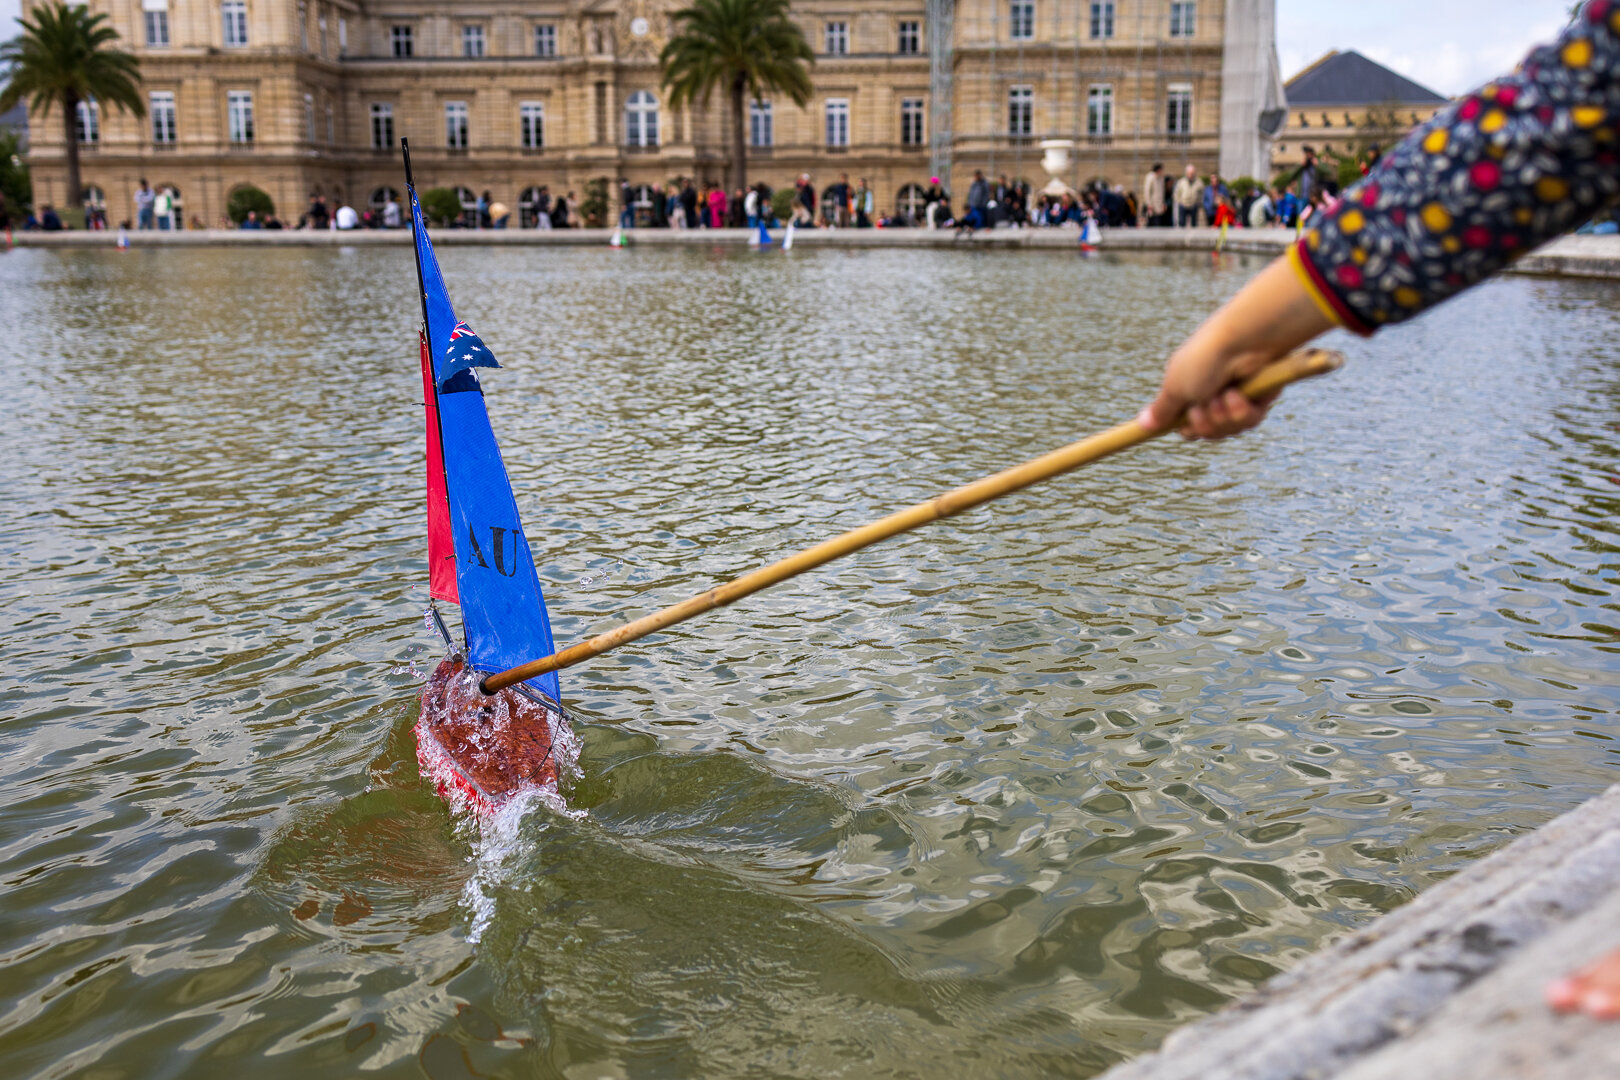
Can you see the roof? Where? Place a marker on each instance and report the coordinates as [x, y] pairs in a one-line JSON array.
[[1348, 78]]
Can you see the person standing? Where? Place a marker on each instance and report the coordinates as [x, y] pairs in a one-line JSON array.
[[978, 202], [542, 208], [627, 208], [559, 213], [1307, 176], [1188, 196], [1262, 211], [865, 205], [391, 219], [805, 212], [1214, 191], [838, 195], [689, 204], [717, 207], [751, 208], [1152, 204], [143, 205]]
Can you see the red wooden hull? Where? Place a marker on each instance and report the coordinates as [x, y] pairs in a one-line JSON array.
[[481, 751]]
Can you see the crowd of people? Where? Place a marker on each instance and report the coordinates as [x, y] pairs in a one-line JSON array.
[[1160, 201]]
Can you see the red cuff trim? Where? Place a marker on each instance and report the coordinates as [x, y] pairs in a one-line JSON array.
[[1323, 293]]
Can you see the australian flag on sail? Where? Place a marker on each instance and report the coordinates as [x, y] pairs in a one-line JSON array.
[[466, 350]]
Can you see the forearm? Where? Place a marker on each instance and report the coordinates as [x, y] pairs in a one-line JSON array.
[[1271, 316]]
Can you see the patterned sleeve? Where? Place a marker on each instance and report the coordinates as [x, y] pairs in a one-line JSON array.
[[1520, 161]]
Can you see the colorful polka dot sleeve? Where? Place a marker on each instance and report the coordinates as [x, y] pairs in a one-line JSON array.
[[1524, 159]]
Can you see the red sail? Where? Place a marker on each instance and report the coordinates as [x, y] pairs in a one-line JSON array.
[[441, 548]]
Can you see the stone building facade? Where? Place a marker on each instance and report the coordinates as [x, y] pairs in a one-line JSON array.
[[305, 96]]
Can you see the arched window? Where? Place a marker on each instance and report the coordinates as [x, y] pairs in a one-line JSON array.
[[528, 215], [94, 198], [469, 207], [380, 197], [911, 202], [641, 119]]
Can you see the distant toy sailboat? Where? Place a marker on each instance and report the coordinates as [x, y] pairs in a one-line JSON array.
[[478, 750]]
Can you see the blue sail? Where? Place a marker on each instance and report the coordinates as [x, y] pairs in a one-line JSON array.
[[503, 613]]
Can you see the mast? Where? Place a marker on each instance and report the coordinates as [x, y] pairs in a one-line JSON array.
[[416, 250]]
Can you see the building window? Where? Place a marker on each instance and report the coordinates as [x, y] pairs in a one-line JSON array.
[[545, 40], [1178, 112], [1182, 14], [1021, 20], [837, 38], [1102, 18], [239, 109], [331, 128], [761, 132], [837, 123], [1020, 110], [403, 39], [910, 38], [162, 110], [455, 125], [343, 37], [309, 118], [472, 42], [911, 121], [303, 28], [157, 28], [321, 24], [382, 125], [641, 120], [1100, 110], [89, 122], [235, 15], [532, 119]]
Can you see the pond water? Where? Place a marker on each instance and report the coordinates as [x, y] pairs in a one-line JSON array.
[[1013, 795]]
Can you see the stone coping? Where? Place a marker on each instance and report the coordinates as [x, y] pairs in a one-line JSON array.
[[1569, 256], [1448, 987]]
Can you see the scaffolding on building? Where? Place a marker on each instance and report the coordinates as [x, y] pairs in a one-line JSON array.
[[940, 21]]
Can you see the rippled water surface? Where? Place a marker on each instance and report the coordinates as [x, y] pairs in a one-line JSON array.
[[1011, 796]]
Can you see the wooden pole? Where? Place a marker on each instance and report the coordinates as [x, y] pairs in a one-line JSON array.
[[1297, 365]]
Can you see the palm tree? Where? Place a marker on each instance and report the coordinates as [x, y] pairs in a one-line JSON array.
[[61, 59], [747, 46]]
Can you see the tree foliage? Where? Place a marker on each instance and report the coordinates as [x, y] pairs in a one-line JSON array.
[[749, 48], [64, 56], [15, 184], [593, 209], [245, 197], [441, 205]]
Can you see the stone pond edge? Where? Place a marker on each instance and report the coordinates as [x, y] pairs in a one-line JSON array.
[[1569, 256]]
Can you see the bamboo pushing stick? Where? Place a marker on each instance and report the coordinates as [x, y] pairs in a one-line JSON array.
[[1295, 366]]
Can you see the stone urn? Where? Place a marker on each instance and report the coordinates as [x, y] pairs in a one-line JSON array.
[[1055, 155]]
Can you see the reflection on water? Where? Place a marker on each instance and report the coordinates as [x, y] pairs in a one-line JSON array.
[[1010, 796]]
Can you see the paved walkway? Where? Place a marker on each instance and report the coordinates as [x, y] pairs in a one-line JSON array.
[[1448, 987]]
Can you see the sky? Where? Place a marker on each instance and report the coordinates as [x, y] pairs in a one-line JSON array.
[[1447, 45]]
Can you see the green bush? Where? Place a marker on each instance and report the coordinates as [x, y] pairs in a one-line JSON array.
[[246, 197], [441, 205], [1239, 187], [782, 203], [594, 208], [15, 184]]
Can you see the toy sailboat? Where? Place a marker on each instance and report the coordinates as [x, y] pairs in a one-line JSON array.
[[479, 751]]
